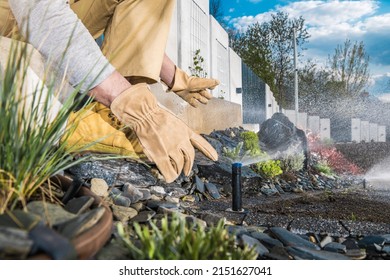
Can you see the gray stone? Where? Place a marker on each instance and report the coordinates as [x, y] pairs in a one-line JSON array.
[[121, 201], [386, 249], [52, 214], [335, 247], [290, 239], [350, 244], [176, 192], [115, 191], [265, 239], [236, 230], [269, 191], [143, 217], [132, 192], [260, 249], [371, 240], [139, 206], [172, 199], [19, 219], [327, 239], [200, 187], [123, 214], [305, 253], [115, 172], [81, 223], [278, 253], [14, 243], [212, 190], [99, 187], [79, 205], [146, 195], [212, 219], [158, 191], [154, 204]]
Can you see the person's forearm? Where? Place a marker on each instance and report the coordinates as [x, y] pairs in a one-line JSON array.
[[52, 28], [167, 73]]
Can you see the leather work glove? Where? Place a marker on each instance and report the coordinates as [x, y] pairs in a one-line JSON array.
[[94, 134], [166, 140], [193, 89]]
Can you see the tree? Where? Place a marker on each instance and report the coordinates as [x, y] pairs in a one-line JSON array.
[[267, 48], [216, 10], [349, 66]]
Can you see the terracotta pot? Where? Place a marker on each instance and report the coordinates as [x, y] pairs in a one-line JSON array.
[[88, 243]]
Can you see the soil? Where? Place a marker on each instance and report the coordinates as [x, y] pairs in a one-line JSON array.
[[356, 210]]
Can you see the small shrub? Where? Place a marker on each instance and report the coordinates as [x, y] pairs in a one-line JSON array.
[[179, 240], [292, 162], [270, 168], [251, 142], [323, 167], [233, 153]]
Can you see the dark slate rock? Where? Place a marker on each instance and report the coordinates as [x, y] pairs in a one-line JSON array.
[[371, 240], [335, 247], [290, 239], [52, 214], [121, 201], [386, 249], [265, 239], [143, 217], [132, 192], [260, 249], [79, 205], [155, 204], [19, 219], [114, 172], [304, 253], [200, 187], [351, 244], [236, 230], [212, 190], [14, 243], [278, 253]]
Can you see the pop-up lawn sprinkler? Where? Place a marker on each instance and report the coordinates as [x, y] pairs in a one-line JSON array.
[[236, 189]]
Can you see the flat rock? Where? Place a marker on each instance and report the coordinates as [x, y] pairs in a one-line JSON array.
[[213, 190], [19, 219], [115, 172], [143, 217], [99, 187], [52, 214], [14, 243], [79, 205], [305, 253], [260, 249], [265, 239], [200, 187], [123, 214], [290, 239], [132, 192], [335, 247]]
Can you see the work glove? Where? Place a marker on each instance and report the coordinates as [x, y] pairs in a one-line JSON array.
[[193, 89], [92, 133], [166, 140]]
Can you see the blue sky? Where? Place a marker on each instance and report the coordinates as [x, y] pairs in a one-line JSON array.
[[330, 23]]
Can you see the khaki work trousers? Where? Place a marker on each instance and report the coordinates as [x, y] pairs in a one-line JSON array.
[[135, 31]]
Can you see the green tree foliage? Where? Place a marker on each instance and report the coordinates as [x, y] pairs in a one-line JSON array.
[[267, 48], [349, 68]]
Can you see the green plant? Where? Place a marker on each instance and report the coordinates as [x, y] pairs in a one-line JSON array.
[[198, 68], [292, 162], [29, 133], [233, 153], [251, 142], [270, 168], [323, 167], [176, 239]]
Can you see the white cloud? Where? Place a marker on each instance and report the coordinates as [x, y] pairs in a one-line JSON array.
[[331, 22]]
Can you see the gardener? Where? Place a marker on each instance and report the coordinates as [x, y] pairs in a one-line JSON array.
[[135, 35]]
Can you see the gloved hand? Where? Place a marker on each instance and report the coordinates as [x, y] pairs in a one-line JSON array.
[[193, 89], [95, 134], [166, 140]]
